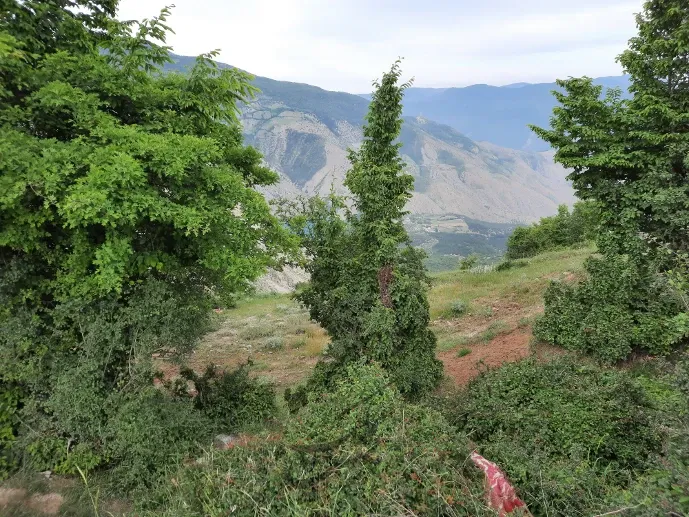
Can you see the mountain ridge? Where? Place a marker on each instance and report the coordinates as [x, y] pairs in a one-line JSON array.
[[304, 133], [497, 114]]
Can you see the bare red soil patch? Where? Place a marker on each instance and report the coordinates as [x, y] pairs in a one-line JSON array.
[[504, 348]]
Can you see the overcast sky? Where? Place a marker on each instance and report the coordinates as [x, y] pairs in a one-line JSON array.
[[344, 44]]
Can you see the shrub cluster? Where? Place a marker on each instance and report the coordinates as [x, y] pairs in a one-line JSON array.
[[563, 229], [566, 433], [624, 305], [359, 450], [232, 400]]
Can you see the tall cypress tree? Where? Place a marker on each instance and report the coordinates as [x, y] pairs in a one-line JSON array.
[[368, 284]]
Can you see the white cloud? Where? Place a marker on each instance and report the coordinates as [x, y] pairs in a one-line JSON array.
[[345, 44]]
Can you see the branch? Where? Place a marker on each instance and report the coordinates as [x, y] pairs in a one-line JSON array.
[[614, 512]]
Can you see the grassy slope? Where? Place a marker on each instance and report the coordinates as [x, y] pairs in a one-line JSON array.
[[276, 333]]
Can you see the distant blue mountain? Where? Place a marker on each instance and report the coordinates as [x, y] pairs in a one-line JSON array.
[[496, 114]]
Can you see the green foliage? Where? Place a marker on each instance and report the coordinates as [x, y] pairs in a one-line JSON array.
[[630, 157], [232, 399], [359, 450], [565, 432], [149, 434], [563, 229], [368, 284], [620, 308], [10, 398], [127, 209], [664, 488], [510, 264], [468, 262], [464, 352], [458, 308]]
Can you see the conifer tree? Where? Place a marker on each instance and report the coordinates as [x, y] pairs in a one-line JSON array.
[[368, 284]]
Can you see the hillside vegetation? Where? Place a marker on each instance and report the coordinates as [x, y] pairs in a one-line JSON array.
[[140, 376]]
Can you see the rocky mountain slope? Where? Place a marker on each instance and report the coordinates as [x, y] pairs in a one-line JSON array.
[[304, 133], [497, 114], [453, 174]]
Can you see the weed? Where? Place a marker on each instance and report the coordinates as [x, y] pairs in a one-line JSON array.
[[464, 352], [274, 343], [458, 308], [526, 321], [453, 342], [468, 262], [316, 341], [483, 311], [494, 329], [511, 264], [259, 331]]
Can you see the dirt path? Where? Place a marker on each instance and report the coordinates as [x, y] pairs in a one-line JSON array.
[[508, 347]]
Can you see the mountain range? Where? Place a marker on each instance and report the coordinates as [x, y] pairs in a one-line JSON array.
[[469, 149], [497, 114]]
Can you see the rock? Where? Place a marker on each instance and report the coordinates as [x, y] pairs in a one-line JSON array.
[[47, 504], [11, 496], [225, 441]]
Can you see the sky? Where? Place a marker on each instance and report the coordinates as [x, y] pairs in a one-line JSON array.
[[343, 45]]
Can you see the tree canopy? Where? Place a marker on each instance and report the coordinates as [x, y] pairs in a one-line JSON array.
[[368, 285], [126, 206], [632, 158]]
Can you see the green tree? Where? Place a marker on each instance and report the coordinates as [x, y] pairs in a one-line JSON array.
[[126, 209], [630, 156], [368, 284], [563, 229]]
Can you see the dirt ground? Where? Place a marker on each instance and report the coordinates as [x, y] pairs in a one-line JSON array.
[[504, 348]]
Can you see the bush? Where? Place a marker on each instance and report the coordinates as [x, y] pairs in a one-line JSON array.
[[563, 229], [232, 400], [622, 306], [9, 404], [150, 434], [510, 264], [468, 262], [458, 308], [564, 432], [360, 450]]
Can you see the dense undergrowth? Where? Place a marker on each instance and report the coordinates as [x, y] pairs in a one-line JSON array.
[[360, 450], [574, 437]]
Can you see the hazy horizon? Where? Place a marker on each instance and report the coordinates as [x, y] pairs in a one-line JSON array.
[[445, 43]]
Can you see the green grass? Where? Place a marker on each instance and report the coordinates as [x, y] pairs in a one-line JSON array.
[[494, 330], [453, 341], [464, 352], [524, 285]]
